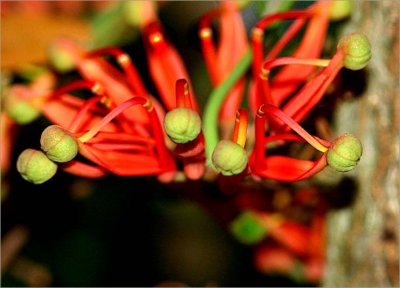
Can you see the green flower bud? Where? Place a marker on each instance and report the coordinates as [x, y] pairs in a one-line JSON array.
[[248, 229], [229, 158], [341, 9], [182, 125], [35, 167], [58, 145], [357, 51], [19, 109], [30, 72], [61, 58], [136, 13], [344, 153]]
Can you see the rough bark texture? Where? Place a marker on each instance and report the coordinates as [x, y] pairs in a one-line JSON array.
[[363, 238]]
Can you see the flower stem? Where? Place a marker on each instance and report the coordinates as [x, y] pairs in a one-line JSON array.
[[94, 87], [126, 63], [214, 103], [295, 126], [77, 120], [268, 65], [110, 116]]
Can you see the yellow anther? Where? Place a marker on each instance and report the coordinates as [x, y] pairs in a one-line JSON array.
[[98, 89], [123, 59], [260, 111], [264, 74], [205, 33], [106, 101], [148, 105], [156, 37], [186, 89]]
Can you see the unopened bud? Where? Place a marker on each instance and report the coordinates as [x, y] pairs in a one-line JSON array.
[[182, 125], [229, 158], [20, 109], [344, 153], [35, 167], [341, 9], [60, 57], [357, 51], [248, 229], [58, 144]]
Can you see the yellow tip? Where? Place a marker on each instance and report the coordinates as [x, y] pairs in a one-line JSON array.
[[123, 59], [205, 33], [264, 74], [148, 105], [98, 89], [257, 34], [155, 38]]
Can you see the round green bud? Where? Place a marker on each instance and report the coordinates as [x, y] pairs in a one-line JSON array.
[[35, 167], [229, 158], [357, 51], [31, 72], [182, 125], [58, 144], [341, 9], [19, 109], [61, 58], [344, 153], [136, 13], [248, 229]]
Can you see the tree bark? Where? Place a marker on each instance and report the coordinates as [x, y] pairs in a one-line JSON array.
[[363, 238]]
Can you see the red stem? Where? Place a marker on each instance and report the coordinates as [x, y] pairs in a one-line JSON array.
[[77, 85], [76, 121], [259, 146], [295, 126], [207, 45], [285, 39], [125, 61]]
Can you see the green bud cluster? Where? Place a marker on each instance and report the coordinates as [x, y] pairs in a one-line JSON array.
[[357, 51], [229, 158], [38, 166], [182, 125], [344, 153]]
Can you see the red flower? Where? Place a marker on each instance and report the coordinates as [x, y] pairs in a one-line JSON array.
[[120, 131], [287, 80]]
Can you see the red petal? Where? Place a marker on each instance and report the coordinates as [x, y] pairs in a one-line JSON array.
[[62, 110], [123, 163], [83, 170], [284, 168]]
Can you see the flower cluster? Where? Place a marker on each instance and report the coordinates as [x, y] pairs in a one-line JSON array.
[[120, 128]]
